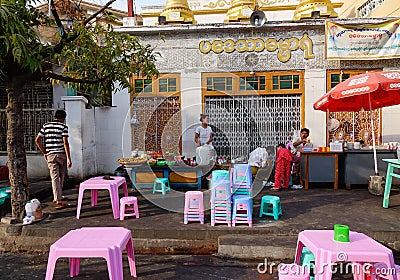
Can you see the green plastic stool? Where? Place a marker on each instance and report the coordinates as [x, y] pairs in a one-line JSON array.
[[161, 185], [308, 260], [271, 206], [392, 163]]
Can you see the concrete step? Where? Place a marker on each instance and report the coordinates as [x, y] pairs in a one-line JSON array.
[[270, 247]]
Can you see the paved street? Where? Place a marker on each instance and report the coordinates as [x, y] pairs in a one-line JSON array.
[[18, 267], [30, 266]]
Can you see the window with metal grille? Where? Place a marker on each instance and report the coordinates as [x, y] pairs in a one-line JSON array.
[[37, 109], [243, 123], [156, 108]]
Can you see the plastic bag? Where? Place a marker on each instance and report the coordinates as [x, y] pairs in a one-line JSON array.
[[258, 157]]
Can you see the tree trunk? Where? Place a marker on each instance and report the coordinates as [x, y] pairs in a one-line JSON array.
[[16, 151]]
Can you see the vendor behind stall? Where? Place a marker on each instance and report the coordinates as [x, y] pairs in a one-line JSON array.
[[203, 133], [299, 143]]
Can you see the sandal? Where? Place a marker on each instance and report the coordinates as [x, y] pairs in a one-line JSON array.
[[275, 189], [63, 198], [61, 205]]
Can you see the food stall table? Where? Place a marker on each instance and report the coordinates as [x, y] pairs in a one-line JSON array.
[[320, 167], [180, 176], [358, 165]]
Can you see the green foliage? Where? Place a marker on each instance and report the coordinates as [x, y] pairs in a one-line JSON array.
[[100, 54], [19, 42], [96, 62]]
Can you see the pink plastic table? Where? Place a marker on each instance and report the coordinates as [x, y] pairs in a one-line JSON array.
[[98, 183], [327, 251], [94, 242]]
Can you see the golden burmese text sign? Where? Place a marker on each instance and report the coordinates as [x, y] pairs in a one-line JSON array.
[[284, 47], [373, 41]]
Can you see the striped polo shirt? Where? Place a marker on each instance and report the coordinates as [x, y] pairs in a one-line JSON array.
[[53, 133]]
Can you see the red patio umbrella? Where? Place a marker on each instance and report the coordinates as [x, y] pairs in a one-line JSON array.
[[369, 91]]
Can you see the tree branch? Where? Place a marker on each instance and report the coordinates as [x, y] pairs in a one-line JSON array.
[[61, 44], [58, 20], [67, 79]]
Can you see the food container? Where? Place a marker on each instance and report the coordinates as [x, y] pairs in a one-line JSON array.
[[350, 145], [161, 162], [341, 233], [336, 147], [357, 145]]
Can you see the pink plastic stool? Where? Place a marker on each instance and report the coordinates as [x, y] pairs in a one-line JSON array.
[[93, 242], [293, 271], [221, 204], [242, 210], [128, 200], [194, 207]]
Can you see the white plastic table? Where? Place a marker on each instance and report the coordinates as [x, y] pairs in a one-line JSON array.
[[98, 183], [327, 251], [93, 242]]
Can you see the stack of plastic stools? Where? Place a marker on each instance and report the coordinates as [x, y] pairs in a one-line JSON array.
[[128, 200], [307, 260], [242, 210], [221, 203], [293, 272], [161, 185], [271, 206], [194, 207], [241, 179]]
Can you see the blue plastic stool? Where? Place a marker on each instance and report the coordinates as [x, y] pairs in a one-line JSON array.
[[271, 206], [307, 259], [218, 175], [161, 185], [242, 210]]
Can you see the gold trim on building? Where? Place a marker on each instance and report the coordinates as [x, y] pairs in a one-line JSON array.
[[240, 11], [224, 11], [178, 12], [307, 8]]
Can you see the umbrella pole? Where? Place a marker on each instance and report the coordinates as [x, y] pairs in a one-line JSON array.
[[373, 137]]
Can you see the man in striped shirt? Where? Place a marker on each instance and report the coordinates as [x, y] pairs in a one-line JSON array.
[[56, 152]]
